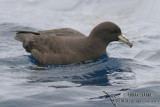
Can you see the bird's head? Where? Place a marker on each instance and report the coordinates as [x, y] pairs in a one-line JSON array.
[[108, 32]]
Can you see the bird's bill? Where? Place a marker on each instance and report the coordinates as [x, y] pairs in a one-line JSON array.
[[125, 40]]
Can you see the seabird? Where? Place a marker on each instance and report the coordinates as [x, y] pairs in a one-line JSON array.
[[65, 45]]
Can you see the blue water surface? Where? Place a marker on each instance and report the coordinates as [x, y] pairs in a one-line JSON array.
[[120, 71]]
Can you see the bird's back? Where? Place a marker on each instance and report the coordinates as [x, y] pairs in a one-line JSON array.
[[51, 44]]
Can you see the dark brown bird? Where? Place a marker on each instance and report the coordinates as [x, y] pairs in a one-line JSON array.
[[65, 45]]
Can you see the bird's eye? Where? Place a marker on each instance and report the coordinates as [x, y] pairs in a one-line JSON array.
[[114, 31]]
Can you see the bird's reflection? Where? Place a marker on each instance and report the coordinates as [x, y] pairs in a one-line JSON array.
[[94, 72]]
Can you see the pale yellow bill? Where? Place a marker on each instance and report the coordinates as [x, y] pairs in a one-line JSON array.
[[127, 41]]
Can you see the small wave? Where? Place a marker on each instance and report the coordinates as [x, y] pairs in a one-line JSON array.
[[10, 27], [155, 57]]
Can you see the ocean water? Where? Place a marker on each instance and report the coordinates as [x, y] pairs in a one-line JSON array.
[[131, 76]]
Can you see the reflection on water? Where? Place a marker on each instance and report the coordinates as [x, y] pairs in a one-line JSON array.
[[97, 72], [89, 73]]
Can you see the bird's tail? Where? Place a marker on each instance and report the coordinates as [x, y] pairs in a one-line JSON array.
[[23, 35]]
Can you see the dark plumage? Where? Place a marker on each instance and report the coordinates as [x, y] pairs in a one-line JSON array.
[[65, 46]]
